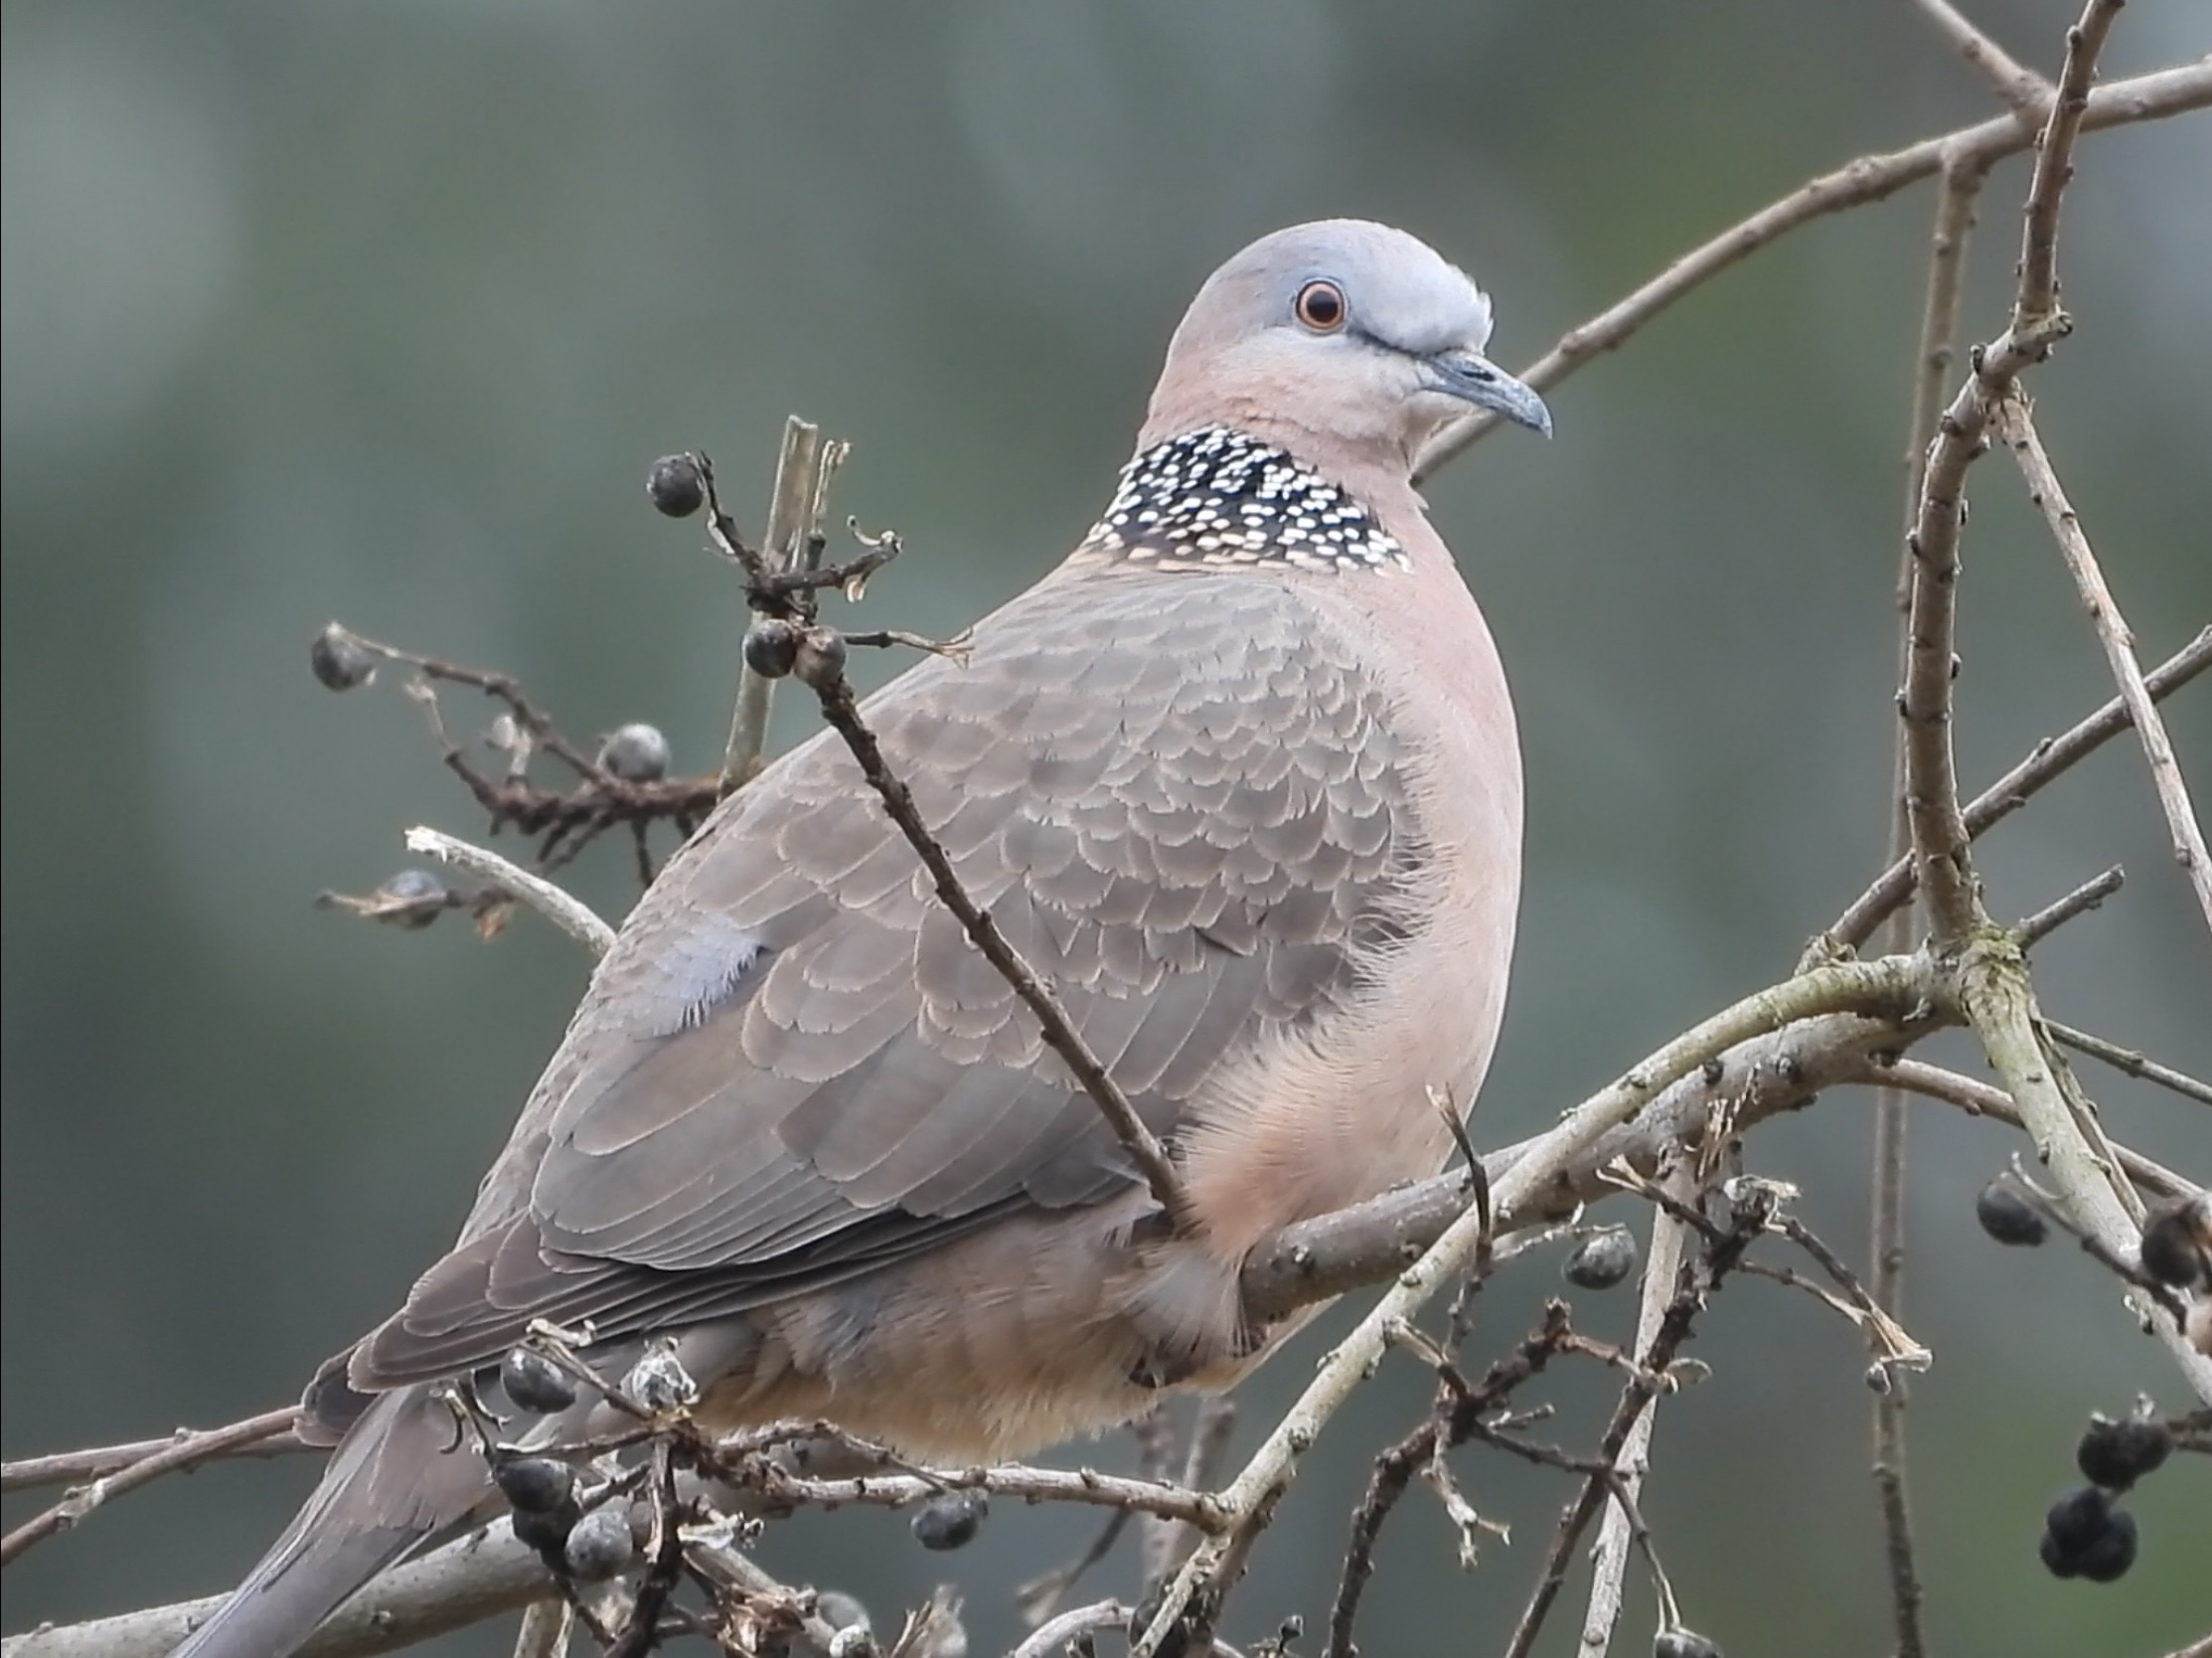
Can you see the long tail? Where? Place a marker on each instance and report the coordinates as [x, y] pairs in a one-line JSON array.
[[391, 1487]]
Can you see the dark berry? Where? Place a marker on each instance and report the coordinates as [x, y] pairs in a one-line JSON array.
[[535, 1484], [675, 486], [1602, 1259], [2116, 1454], [2112, 1553], [771, 647], [2177, 1244], [600, 1545], [2056, 1560], [411, 899], [2008, 1217], [950, 1519], [821, 659], [637, 754], [340, 660], [547, 1532], [535, 1383], [2079, 1518]]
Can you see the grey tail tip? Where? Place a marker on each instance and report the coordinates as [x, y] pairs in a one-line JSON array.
[[390, 1491]]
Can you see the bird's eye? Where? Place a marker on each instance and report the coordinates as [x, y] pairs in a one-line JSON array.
[[1319, 306]]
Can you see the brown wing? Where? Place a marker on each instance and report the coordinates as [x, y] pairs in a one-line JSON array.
[[1175, 792]]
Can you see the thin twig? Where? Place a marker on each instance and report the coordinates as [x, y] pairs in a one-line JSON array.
[[1165, 1545], [1893, 1347], [480, 1575], [1144, 1149], [1662, 1265], [792, 501], [1459, 1414], [1311, 1260], [1942, 862], [1889, 987], [533, 722], [2050, 759], [1869, 178], [1994, 990], [2131, 1062], [1713, 1264], [229, 1440], [1057, 1636], [1939, 836], [2037, 303], [2087, 897], [1938, 349], [2017, 428], [1082, 1486], [184, 1451], [572, 914], [1960, 188], [1984, 1100], [546, 1628], [2024, 92]]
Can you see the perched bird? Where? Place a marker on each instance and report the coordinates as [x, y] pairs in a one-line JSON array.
[[1240, 777]]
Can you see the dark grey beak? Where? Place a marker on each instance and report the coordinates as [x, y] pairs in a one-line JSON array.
[[1474, 378]]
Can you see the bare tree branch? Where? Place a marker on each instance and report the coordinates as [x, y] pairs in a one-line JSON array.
[[184, 1451], [1982, 1099], [1662, 1267], [2033, 929], [1960, 188], [2050, 759], [480, 1575], [277, 1438], [2131, 1062], [794, 514], [2024, 92], [2037, 303], [1869, 178], [2016, 428], [572, 914], [1890, 987]]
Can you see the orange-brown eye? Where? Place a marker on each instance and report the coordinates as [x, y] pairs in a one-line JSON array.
[[1321, 307]]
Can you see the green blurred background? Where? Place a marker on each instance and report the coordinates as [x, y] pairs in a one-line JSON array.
[[378, 313]]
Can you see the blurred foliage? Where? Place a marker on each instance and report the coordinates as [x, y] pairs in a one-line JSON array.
[[380, 312]]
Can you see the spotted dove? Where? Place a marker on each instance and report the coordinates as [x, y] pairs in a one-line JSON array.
[[1240, 777]]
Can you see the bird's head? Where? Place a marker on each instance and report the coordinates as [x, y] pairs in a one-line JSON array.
[[1351, 342]]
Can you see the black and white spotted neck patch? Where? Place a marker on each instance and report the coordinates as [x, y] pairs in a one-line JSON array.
[[1218, 496]]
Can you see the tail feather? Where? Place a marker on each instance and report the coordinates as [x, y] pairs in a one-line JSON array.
[[395, 1483]]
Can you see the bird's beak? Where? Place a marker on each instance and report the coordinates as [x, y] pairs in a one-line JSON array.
[[1474, 378]]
